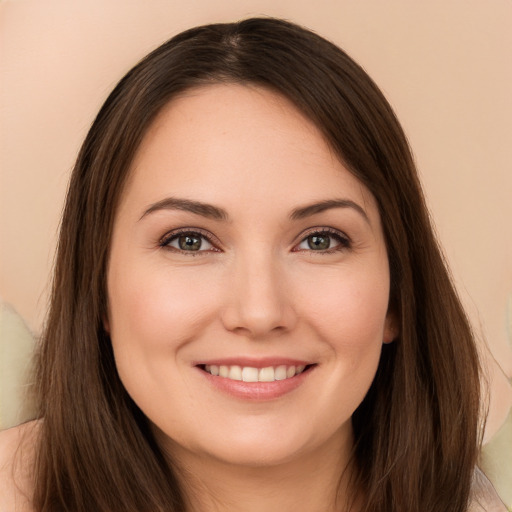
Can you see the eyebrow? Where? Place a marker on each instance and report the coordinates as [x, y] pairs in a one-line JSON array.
[[214, 212], [312, 209], [197, 207]]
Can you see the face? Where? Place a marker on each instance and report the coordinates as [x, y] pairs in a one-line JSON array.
[[248, 281]]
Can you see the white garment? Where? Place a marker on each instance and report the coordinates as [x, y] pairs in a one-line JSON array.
[[484, 496]]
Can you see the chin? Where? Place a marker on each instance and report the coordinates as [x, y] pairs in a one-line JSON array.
[[263, 447]]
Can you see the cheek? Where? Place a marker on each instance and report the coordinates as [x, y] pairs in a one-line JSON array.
[[158, 308], [349, 312], [348, 308], [153, 314]]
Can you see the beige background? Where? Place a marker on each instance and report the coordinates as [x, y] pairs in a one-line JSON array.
[[445, 66]]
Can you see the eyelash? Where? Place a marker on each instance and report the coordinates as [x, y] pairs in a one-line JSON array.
[[344, 242], [192, 232]]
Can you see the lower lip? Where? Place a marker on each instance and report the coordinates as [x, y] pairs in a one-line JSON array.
[[256, 391]]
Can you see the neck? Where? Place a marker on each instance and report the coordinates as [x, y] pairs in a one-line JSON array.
[[316, 482]]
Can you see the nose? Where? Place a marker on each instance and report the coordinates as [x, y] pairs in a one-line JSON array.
[[258, 301]]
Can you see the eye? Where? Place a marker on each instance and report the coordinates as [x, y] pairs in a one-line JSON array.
[[324, 241], [187, 241]]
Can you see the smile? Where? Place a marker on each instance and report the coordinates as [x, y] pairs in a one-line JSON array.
[[256, 380], [251, 374]]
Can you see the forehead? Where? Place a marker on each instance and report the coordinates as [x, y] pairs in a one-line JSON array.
[[222, 142]]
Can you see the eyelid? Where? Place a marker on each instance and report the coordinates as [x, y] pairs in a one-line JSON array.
[[345, 241], [170, 235]]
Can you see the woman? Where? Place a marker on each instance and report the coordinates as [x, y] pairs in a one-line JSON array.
[[249, 310]]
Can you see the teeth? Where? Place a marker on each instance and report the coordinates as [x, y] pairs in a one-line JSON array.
[[235, 373], [280, 372], [250, 374], [266, 374]]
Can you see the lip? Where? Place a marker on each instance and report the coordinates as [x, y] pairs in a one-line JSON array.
[[255, 391]]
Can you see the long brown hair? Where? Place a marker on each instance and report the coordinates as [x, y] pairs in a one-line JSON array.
[[416, 432]]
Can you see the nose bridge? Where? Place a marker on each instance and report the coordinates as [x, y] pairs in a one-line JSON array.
[[258, 300]]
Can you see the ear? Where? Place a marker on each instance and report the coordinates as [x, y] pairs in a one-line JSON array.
[[391, 329], [105, 322]]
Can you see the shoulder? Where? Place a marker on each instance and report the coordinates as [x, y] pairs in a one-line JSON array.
[[16, 457], [484, 496]]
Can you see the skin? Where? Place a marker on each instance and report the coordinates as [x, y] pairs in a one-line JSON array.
[[16, 458], [255, 290]]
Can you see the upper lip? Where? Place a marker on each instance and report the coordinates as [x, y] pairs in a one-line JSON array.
[[264, 362]]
